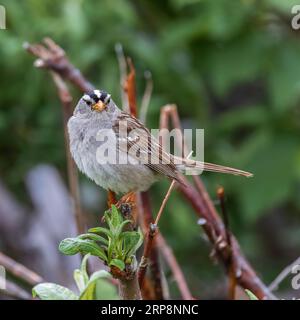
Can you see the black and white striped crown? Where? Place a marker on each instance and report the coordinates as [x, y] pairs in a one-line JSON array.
[[94, 96]]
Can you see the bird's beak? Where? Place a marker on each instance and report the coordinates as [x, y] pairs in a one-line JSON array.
[[99, 106]]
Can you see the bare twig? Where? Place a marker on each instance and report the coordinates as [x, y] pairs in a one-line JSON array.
[[231, 267], [19, 271], [66, 101], [146, 97], [130, 89], [150, 236], [174, 266], [148, 290], [14, 291], [51, 56], [146, 253], [221, 196], [111, 198], [163, 204], [214, 226], [123, 75], [283, 274], [161, 244], [146, 214]]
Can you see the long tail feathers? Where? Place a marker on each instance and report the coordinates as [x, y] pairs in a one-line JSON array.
[[218, 168], [213, 167]]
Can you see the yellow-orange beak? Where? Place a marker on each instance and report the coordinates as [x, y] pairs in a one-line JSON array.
[[99, 106]]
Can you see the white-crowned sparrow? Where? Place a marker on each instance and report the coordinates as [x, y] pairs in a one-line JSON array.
[[96, 111]]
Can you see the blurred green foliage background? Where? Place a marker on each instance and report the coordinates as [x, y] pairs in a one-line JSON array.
[[231, 66]]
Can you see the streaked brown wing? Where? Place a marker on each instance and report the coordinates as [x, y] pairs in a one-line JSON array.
[[142, 146]]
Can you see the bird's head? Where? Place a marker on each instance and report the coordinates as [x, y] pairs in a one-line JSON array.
[[96, 104], [96, 100]]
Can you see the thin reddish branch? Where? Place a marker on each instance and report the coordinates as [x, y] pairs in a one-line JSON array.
[[111, 198], [153, 257], [149, 242], [149, 249], [214, 226], [148, 292], [160, 244], [146, 253], [146, 97], [67, 108], [123, 75], [168, 255], [164, 202], [231, 267], [130, 89]]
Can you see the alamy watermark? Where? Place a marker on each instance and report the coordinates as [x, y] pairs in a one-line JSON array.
[[295, 22], [2, 278], [2, 17], [296, 278], [158, 147]]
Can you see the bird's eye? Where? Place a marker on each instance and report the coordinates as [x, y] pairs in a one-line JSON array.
[[107, 99], [87, 99], [88, 102]]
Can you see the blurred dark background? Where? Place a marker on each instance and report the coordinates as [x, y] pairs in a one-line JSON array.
[[232, 67]]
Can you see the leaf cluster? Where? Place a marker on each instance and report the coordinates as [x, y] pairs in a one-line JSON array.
[[113, 245]]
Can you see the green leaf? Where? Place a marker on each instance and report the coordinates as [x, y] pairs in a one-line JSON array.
[[71, 246], [88, 293], [251, 295], [80, 276], [94, 237], [101, 230], [52, 291], [103, 274], [121, 226], [116, 217], [110, 249], [106, 290], [117, 263], [79, 279], [83, 266], [132, 240], [108, 221]]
